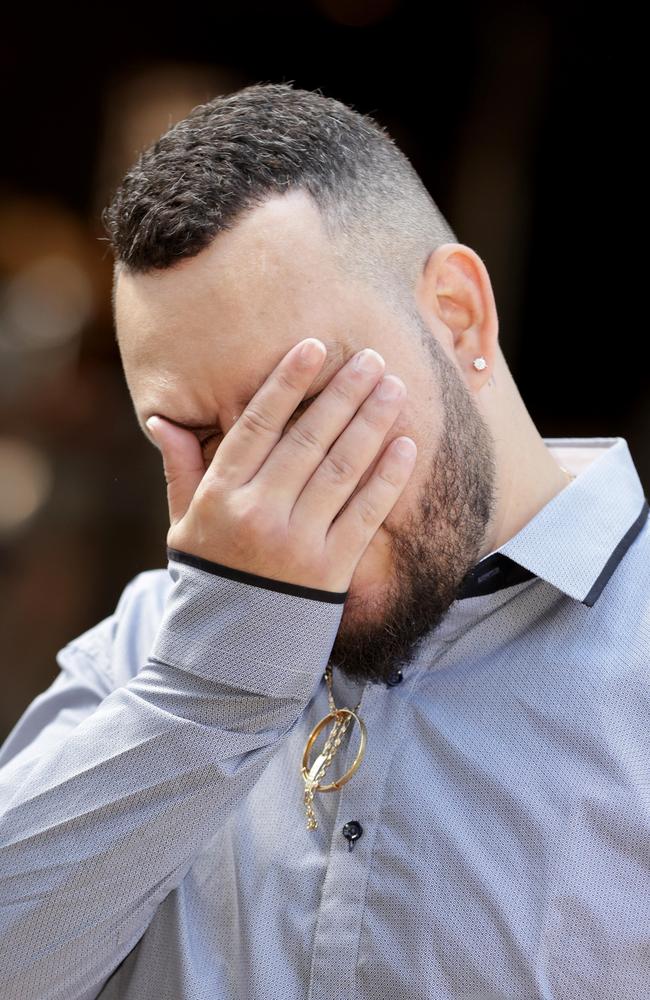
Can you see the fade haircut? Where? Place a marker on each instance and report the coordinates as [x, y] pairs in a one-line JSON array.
[[232, 153]]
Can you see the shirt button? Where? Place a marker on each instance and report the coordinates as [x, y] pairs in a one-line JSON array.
[[394, 679], [352, 831]]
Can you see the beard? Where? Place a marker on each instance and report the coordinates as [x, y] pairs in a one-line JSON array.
[[433, 548]]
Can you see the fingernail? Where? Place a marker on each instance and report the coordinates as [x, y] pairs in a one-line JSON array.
[[389, 388], [311, 351], [405, 447], [368, 361], [152, 423]]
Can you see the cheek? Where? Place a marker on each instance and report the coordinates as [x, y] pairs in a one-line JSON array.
[[375, 566]]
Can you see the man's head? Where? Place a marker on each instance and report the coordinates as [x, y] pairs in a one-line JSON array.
[[274, 214]]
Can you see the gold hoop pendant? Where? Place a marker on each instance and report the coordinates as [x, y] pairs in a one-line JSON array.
[[309, 772]]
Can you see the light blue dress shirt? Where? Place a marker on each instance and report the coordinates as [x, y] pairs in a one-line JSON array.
[[494, 842]]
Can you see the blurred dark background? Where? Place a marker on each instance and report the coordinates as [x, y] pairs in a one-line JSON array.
[[520, 119]]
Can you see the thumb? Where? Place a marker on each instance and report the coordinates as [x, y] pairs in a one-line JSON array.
[[182, 462]]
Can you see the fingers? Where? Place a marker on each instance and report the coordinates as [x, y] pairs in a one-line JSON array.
[[253, 436], [182, 462], [306, 444], [354, 529], [354, 451]]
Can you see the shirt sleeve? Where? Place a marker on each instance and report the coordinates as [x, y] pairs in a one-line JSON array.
[[106, 798], [79, 687]]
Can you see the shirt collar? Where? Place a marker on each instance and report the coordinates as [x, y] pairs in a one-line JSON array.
[[576, 541]]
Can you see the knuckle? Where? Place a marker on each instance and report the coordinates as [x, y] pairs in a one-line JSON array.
[[301, 435], [366, 510], [337, 469], [254, 517], [172, 478], [341, 390], [286, 381], [256, 420], [208, 490], [374, 417], [387, 477]]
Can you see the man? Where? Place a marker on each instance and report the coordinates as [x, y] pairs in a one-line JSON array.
[[480, 602]]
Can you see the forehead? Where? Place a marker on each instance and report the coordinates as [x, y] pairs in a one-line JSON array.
[[201, 337], [276, 250], [167, 335], [274, 273], [199, 370]]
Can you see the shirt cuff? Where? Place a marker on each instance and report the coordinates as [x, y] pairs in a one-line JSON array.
[[252, 632]]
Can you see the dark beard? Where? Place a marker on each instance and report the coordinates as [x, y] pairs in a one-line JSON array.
[[436, 546]]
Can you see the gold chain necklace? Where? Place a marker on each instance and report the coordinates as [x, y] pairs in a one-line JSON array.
[[341, 718], [569, 474], [311, 774]]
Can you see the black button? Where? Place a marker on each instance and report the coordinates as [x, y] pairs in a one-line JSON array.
[[394, 679], [352, 831]]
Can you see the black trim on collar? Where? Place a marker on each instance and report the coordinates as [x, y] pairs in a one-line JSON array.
[[242, 576], [499, 571], [617, 555], [492, 574]]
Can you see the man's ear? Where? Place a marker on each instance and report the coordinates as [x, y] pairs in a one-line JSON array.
[[454, 290]]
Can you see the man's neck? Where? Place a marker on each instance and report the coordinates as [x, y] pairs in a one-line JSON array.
[[527, 490]]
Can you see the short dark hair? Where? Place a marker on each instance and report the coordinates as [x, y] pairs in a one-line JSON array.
[[229, 155]]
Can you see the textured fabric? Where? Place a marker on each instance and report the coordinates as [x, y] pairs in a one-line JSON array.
[[153, 836]]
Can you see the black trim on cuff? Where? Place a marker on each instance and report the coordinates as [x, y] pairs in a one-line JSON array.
[[242, 576]]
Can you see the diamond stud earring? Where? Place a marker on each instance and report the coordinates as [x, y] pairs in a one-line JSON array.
[[479, 364]]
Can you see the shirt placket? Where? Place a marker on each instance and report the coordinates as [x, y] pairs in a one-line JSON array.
[[340, 915]]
